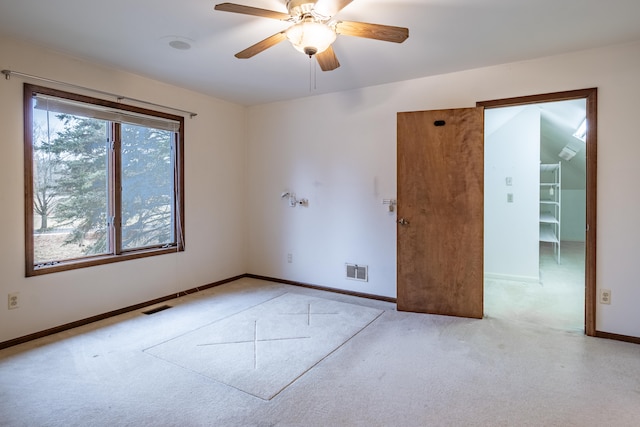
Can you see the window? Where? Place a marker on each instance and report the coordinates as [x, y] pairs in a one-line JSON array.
[[103, 181]]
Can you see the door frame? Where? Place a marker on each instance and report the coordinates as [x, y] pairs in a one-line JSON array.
[[590, 95]]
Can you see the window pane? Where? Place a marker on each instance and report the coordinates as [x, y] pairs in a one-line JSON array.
[[106, 181], [147, 187], [69, 186]]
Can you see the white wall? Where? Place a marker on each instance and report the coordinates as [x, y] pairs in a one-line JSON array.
[[339, 150], [511, 230], [345, 173], [214, 202], [572, 219]]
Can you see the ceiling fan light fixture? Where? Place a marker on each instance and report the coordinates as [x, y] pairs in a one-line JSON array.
[[311, 37]]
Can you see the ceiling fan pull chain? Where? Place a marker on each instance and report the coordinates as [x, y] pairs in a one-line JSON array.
[[315, 74], [310, 74]]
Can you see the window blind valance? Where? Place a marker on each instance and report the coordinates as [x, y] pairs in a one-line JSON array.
[[67, 106]]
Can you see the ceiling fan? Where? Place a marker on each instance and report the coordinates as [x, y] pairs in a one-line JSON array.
[[314, 29]]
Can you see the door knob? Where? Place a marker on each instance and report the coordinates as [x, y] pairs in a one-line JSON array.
[[403, 221]]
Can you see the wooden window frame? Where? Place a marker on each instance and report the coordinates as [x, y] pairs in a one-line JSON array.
[[117, 254]]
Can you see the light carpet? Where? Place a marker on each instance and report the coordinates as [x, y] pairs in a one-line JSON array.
[[403, 369], [264, 349]]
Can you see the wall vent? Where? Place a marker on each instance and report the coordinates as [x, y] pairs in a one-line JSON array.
[[157, 309], [357, 272]]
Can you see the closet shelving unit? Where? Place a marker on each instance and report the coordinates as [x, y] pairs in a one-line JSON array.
[[550, 205]]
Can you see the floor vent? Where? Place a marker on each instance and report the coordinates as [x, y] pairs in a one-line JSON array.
[[157, 309], [358, 272]]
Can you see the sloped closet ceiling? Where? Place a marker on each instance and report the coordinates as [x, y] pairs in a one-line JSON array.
[[558, 122]]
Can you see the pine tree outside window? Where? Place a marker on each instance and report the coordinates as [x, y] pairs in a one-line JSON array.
[[104, 181]]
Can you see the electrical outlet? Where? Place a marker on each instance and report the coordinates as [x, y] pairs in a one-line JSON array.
[[13, 300], [289, 258], [605, 296], [509, 197]]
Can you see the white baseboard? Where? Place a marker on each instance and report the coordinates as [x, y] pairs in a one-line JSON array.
[[512, 277]]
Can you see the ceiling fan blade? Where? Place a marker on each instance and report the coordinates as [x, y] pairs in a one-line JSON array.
[[373, 31], [330, 7], [327, 60], [248, 10], [260, 46]]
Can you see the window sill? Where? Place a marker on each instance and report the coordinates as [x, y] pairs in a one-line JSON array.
[[98, 260]]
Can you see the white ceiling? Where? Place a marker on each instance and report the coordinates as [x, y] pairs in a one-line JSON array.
[[444, 36]]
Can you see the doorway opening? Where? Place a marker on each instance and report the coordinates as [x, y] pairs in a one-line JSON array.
[[539, 262]]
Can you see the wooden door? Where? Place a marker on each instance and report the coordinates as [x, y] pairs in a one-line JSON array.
[[441, 212]]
